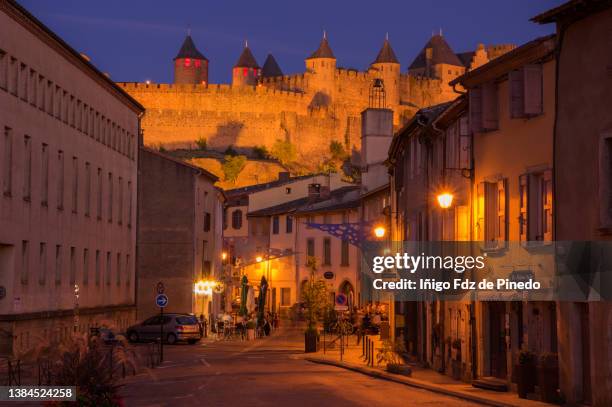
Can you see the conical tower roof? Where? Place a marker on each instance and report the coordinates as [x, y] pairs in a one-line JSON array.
[[324, 50], [246, 60], [189, 50], [271, 68], [441, 54], [386, 54]]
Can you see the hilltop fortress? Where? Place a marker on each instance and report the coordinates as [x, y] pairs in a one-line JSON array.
[[309, 109]]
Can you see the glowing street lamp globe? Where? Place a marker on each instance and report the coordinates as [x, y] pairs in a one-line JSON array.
[[379, 232], [258, 259], [445, 200]]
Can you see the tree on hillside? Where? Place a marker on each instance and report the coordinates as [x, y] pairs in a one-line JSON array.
[[337, 151], [232, 166], [261, 152], [284, 151]]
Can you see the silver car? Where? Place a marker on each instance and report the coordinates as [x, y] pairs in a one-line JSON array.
[[177, 327]]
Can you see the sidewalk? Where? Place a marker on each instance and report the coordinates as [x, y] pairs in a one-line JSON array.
[[427, 379]]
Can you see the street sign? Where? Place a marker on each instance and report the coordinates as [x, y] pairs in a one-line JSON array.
[[161, 300], [160, 288], [341, 302]]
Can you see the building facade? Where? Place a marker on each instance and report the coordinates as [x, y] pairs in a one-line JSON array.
[[69, 152], [179, 235], [582, 181]]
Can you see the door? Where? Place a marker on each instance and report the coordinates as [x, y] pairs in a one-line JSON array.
[[150, 328], [497, 339]]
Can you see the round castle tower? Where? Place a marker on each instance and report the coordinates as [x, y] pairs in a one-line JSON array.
[[190, 65], [387, 67], [246, 71], [321, 64]]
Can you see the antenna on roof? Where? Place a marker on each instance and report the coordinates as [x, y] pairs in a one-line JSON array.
[[387, 36], [246, 43], [440, 31], [324, 34]]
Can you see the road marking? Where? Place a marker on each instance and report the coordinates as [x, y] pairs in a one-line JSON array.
[[204, 362], [183, 397]]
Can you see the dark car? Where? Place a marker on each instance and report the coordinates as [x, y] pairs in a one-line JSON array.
[[177, 327]]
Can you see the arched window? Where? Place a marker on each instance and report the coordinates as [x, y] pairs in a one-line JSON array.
[[237, 219]]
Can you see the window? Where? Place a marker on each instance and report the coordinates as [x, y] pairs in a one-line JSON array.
[[7, 170], [128, 271], [310, 247], [87, 189], [99, 206], [275, 224], [344, 253], [207, 220], [60, 180], [58, 264], [120, 204], [85, 266], [118, 272], [98, 270], [25, 261], [237, 219], [492, 222], [483, 106], [525, 89], [310, 219], [289, 224], [27, 168], [13, 76], [110, 197], [42, 263], [75, 184], [129, 219], [44, 172], [535, 207], [326, 251], [107, 276], [288, 190], [285, 297], [3, 69], [72, 265]]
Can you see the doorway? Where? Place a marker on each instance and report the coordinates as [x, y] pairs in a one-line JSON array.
[[497, 339]]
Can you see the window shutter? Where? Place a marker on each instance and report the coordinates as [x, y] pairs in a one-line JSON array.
[[489, 106], [533, 89], [480, 211], [491, 215], [502, 224], [475, 107], [465, 152], [547, 205], [399, 172], [523, 208], [515, 83], [464, 129]]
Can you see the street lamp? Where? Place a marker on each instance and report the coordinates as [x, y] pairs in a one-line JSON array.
[[258, 259], [223, 255], [379, 232], [445, 200]]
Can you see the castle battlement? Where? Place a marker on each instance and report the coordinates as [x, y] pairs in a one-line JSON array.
[[215, 88], [352, 73]]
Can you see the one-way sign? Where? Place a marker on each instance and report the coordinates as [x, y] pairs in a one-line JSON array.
[[161, 300]]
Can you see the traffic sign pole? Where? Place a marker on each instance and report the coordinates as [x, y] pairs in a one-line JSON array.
[[161, 338]]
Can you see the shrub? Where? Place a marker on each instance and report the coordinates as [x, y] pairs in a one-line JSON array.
[[315, 295], [261, 152], [202, 143], [284, 151], [232, 166], [337, 150], [161, 148], [230, 151]]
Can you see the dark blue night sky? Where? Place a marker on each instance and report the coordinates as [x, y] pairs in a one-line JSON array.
[[135, 40]]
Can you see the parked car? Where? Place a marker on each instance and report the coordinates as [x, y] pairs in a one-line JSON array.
[[177, 327], [106, 334]]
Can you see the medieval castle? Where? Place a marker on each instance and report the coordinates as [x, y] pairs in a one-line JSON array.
[[308, 109]]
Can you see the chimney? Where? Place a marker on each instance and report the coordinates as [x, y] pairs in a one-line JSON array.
[[284, 176]]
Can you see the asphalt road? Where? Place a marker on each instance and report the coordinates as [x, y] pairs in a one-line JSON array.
[[265, 372]]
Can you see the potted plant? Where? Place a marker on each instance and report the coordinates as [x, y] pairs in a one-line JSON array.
[[526, 377], [548, 377], [456, 361], [250, 328], [315, 297], [389, 354]]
